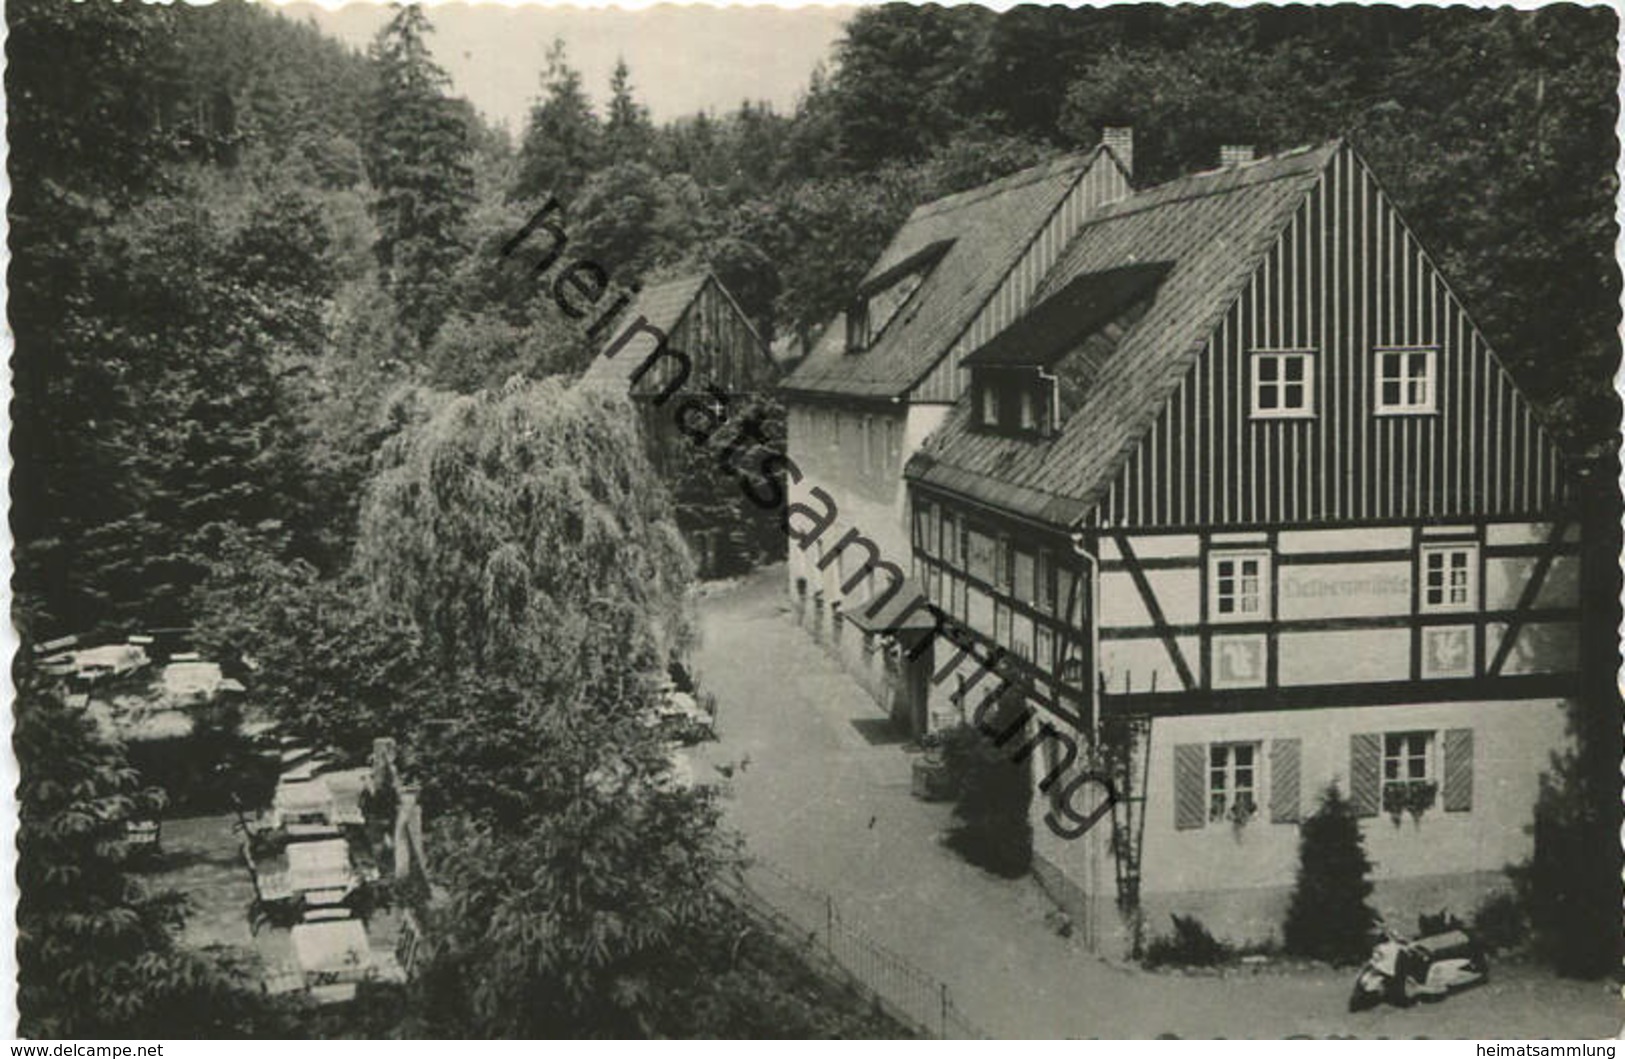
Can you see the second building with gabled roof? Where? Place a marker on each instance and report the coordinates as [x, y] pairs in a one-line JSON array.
[[884, 374]]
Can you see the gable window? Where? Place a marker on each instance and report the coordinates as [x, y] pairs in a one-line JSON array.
[[1405, 381], [1232, 785], [1449, 577], [1283, 384], [1239, 586]]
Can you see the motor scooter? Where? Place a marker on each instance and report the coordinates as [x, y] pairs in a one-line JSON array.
[[1402, 971]]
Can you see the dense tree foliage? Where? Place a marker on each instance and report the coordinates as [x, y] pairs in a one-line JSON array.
[[516, 526], [1570, 884], [97, 951]]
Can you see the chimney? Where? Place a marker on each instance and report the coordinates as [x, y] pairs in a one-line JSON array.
[[1120, 138], [1234, 154]]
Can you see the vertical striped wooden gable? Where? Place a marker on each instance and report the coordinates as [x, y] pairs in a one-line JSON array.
[[724, 347], [1102, 182], [1344, 278]]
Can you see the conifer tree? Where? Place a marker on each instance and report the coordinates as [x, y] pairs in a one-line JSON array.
[[628, 134], [561, 137], [1328, 918], [418, 149]]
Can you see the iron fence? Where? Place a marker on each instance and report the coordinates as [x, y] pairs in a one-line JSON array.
[[813, 920]]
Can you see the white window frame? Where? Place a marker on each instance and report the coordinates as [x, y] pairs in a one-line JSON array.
[[1217, 576], [1407, 756], [1028, 418], [1279, 358], [1408, 404], [989, 416], [1454, 594], [1224, 773], [1052, 398]]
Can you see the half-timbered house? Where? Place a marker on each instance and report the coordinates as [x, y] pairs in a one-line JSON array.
[[1249, 504], [886, 372]]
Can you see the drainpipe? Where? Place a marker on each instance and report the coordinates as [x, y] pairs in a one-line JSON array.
[[1080, 541]]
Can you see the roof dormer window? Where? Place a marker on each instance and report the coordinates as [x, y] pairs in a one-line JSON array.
[[1020, 403], [858, 333], [990, 405], [881, 297]]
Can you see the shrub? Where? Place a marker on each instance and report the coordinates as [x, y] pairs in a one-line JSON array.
[[1570, 885], [1328, 918], [1499, 922], [993, 793], [1190, 945]]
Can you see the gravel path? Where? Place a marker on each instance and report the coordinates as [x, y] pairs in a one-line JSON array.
[[827, 803]]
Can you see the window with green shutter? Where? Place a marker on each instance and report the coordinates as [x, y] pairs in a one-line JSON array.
[[1190, 786], [1365, 773], [1286, 768], [1458, 770]]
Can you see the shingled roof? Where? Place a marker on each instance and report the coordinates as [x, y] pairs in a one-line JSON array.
[[662, 305], [980, 235], [1213, 230]]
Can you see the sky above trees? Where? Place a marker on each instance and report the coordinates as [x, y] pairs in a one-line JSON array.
[[683, 60]]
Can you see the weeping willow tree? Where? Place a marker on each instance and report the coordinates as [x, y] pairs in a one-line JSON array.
[[517, 526], [524, 537]]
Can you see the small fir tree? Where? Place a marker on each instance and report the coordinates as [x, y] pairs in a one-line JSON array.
[[993, 793], [1329, 918]]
